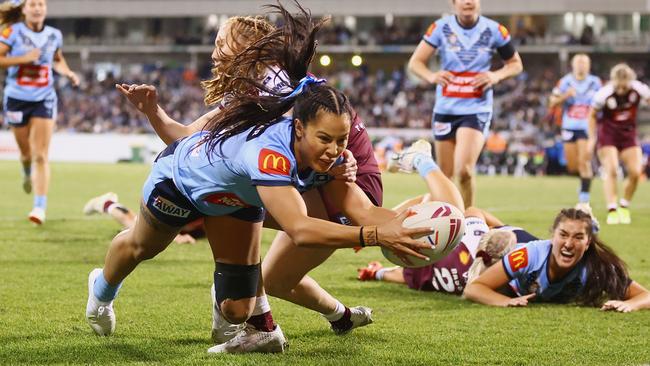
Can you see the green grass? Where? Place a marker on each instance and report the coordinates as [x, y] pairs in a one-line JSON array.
[[164, 308]]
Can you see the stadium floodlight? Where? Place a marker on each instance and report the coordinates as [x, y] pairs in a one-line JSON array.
[[356, 60], [325, 60]]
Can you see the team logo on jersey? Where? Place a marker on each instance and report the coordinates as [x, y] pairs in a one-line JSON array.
[[226, 199], [430, 30], [272, 162], [33, 75], [461, 86], [169, 208], [6, 33], [464, 257], [504, 31], [518, 259]]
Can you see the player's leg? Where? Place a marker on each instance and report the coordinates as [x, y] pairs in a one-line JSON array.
[[144, 241], [571, 156], [238, 287], [469, 143], [21, 134], [608, 156], [41, 130], [109, 204], [285, 271], [632, 158], [584, 169], [376, 272], [445, 156]]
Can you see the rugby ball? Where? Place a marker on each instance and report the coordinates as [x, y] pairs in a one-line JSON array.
[[448, 224]]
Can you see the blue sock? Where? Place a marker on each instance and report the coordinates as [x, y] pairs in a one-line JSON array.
[[424, 164], [583, 197], [40, 201], [103, 290]]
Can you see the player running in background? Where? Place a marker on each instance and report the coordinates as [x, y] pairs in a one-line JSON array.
[[574, 93], [612, 125], [486, 237], [286, 266], [465, 42], [30, 50], [250, 158], [573, 266]]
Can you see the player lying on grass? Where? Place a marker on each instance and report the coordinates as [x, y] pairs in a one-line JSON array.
[[486, 237], [286, 265], [109, 204], [573, 266], [250, 159]]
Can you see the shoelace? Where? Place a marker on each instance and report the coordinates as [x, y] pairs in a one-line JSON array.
[[236, 328]]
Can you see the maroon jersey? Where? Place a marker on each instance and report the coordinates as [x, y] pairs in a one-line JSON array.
[[361, 147], [618, 114]]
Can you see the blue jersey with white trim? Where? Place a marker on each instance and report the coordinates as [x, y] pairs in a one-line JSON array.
[[465, 53], [575, 110], [33, 82], [527, 268], [227, 178]]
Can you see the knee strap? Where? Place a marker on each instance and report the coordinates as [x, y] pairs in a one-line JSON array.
[[235, 281]]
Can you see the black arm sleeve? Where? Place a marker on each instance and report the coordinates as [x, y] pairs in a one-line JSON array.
[[506, 51]]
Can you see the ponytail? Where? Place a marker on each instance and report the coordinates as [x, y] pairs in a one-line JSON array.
[[11, 12]]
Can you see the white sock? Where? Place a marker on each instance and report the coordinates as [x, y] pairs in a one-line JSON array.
[[611, 207], [624, 203], [379, 275], [261, 305], [337, 313]]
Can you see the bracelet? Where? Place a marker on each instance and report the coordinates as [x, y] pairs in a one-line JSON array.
[[361, 241], [370, 237]]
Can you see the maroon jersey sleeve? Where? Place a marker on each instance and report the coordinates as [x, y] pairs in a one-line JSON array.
[[361, 147]]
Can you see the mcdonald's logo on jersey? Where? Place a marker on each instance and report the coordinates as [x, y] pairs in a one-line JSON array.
[[518, 259], [430, 30], [6, 33], [272, 162], [504, 31]]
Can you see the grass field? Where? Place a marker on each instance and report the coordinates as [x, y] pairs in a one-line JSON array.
[[163, 310]]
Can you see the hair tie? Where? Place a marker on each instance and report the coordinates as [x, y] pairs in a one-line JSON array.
[[307, 80], [487, 259]]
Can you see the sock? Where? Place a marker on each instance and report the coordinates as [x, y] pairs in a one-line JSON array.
[[263, 322], [107, 205], [27, 168], [345, 323], [624, 203], [379, 275], [261, 305], [424, 164], [337, 314], [585, 188], [40, 201], [103, 290], [611, 207]]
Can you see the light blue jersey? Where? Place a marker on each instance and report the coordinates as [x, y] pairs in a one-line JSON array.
[[33, 82], [226, 181], [575, 110], [527, 267], [465, 53]]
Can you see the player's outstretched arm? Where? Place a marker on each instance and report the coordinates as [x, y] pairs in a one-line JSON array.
[[484, 289], [636, 298], [145, 98], [60, 65], [356, 205], [27, 58], [287, 207]]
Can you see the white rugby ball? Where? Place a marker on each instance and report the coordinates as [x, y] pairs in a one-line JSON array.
[[448, 224]]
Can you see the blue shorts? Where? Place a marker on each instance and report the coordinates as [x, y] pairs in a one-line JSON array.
[[18, 112], [569, 136], [446, 125], [166, 202]]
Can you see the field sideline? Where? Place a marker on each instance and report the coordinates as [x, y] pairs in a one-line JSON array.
[[163, 310]]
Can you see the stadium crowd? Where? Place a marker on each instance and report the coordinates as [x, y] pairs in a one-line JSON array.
[[524, 136]]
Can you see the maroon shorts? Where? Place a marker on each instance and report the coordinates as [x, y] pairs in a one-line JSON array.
[[621, 137], [369, 183]]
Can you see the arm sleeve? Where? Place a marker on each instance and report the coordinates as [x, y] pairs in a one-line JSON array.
[[8, 36], [599, 98], [642, 89], [502, 37], [268, 165], [433, 35], [518, 261]]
